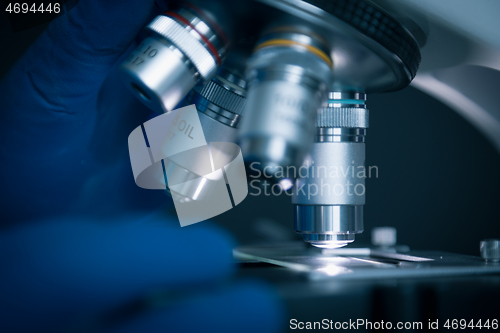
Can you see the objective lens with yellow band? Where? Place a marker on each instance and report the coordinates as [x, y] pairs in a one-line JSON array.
[[286, 42], [287, 75]]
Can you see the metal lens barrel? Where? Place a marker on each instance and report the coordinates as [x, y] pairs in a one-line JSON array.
[[180, 48], [288, 75], [329, 197], [220, 103]]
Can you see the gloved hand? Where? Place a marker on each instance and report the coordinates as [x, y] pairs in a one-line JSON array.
[[78, 276], [77, 251]]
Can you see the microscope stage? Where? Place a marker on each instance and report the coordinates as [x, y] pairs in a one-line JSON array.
[[364, 263]]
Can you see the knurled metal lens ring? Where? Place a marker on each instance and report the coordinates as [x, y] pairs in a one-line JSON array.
[[345, 117], [197, 53], [222, 97]]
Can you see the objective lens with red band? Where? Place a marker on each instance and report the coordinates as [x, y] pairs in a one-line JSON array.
[[209, 45], [180, 48]]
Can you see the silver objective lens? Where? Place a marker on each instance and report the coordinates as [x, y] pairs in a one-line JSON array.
[[179, 49], [220, 103], [222, 98], [328, 199], [287, 76]]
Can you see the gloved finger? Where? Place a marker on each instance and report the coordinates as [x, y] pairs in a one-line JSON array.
[[48, 105], [245, 307], [64, 68], [81, 268]]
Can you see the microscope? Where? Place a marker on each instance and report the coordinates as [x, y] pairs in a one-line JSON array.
[[287, 81]]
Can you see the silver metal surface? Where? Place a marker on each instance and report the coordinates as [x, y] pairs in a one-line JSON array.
[[490, 250], [288, 82], [328, 226], [366, 263], [213, 111], [286, 86], [279, 123], [176, 52], [343, 95], [340, 134], [361, 64], [331, 219], [191, 46], [269, 153], [158, 74], [327, 241], [329, 198], [342, 117], [202, 29], [223, 98], [333, 175]]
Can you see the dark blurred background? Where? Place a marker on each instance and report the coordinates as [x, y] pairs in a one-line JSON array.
[[438, 177]]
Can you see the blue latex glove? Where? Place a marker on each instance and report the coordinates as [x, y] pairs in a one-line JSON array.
[[76, 247]]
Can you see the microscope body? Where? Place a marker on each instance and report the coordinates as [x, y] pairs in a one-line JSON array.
[[287, 81]]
